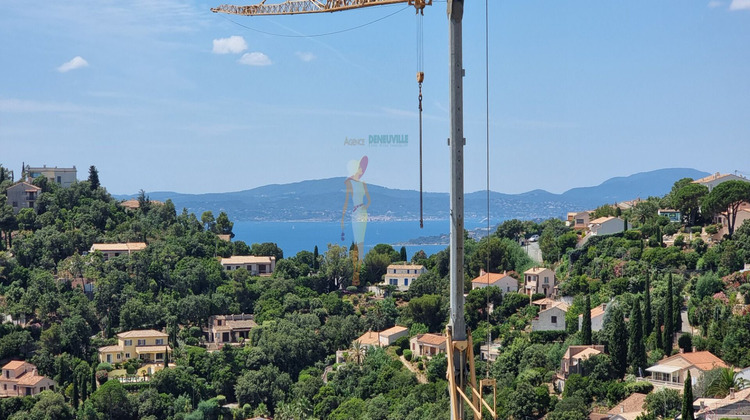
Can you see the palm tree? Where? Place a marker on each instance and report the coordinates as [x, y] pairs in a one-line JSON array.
[[726, 380], [357, 354]]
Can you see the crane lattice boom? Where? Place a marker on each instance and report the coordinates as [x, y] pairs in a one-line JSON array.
[[293, 7]]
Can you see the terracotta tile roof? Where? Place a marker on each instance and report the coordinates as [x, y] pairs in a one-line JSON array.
[[586, 353], [572, 351], [27, 187], [393, 330], [632, 404], [712, 177], [535, 270], [545, 301], [225, 237], [370, 338], [110, 349], [601, 220], [491, 278], [703, 360], [560, 305], [247, 259], [128, 246], [30, 380], [246, 324], [431, 339], [14, 365], [406, 266], [141, 334], [741, 396]]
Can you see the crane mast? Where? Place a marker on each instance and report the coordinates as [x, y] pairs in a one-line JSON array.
[[459, 344]]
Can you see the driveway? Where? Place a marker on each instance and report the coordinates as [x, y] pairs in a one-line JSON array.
[[532, 249]]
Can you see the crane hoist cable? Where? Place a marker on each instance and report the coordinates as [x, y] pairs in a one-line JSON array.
[[420, 79]]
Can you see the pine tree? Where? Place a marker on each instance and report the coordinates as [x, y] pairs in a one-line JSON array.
[[647, 320], [93, 177], [636, 346], [618, 342], [668, 319], [586, 323], [688, 412]]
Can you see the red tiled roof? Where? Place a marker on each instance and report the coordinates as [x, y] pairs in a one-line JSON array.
[[632, 404], [431, 339], [14, 365]]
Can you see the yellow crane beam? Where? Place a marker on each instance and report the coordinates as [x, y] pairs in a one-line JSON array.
[[295, 7]]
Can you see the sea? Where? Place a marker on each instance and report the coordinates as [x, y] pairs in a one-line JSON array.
[[293, 237]]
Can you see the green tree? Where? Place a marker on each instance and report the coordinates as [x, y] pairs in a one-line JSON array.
[[402, 253], [725, 199], [428, 310], [208, 220], [648, 323], [93, 177], [224, 226], [636, 346], [723, 381], [665, 403], [316, 259], [586, 322], [267, 385], [668, 318], [618, 340], [688, 413], [688, 201], [111, 401]]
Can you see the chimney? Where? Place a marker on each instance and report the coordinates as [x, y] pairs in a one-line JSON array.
[[482, 272], [703, 405], [731, 393], [604, 306], [622, 408]]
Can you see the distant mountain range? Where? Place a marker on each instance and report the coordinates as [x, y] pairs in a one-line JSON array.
[[323, 199]]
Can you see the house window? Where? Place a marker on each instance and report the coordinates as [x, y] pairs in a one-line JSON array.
[[394, 282], [218, 322], [128, 342], [159, 356], [546, 279], [15, 204], [117, 254], [119, 356], [406, 282], [142, 342], [554, 320], [159, 341], [109, 358], [127, 355], [59, 180]]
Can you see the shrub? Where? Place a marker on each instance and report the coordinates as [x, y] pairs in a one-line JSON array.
[[420, 366], [632, 235], [352, 289], [679, 241], [641, 387], [685, 342], [104, 366], [407, 355], [699, 229]]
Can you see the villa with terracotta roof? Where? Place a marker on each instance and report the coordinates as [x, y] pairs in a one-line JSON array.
[[736, 405], [579, 220], [503, 281], [672, 371], [402, 275], [571, 361], [539, 280], [427, 344], [20, 378], [629, 408], [383, 338], [257, 266], [715, 179], [147, 345], [597, 318], [606, 226], [551, 317], [228, 329], [115, 250], [22, 195]]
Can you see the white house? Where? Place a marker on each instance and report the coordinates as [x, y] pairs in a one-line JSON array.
[[551, 318], [606, 225], [502, 281], [713, 180], [403, 275], [597, 317], [427, 344]]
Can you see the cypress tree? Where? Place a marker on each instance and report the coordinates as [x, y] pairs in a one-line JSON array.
[[315, 259], [677, 312], [659, 320], [688, 412], [586, 322], [93, 377], [403, 254], [636, 346], [93, 177], [618, 342], [647, 320], [75, 393], [83, 378], [668, 319]]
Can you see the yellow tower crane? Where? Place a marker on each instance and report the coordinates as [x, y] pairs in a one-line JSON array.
[[460, 372]]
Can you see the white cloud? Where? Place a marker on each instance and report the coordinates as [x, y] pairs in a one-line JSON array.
[[305, 56], [76, 63], [255, 59], [233, 45], [714, 4], [740, 5]]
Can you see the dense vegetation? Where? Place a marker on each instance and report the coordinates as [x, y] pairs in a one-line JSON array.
[[309, 309]]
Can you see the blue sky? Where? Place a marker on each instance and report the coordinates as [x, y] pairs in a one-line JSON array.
[[165, 95]]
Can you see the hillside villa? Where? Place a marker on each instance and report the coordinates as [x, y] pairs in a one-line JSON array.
[[383, 338], [539, 280], [715, 179], [228, 329], [427, 344], [597, 317], [503, 281], [115, 250], [571, 361], [551, 316], [257, 266], [20, 379], [147, 345], [672, 371], [402, 275], [606, 226]]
